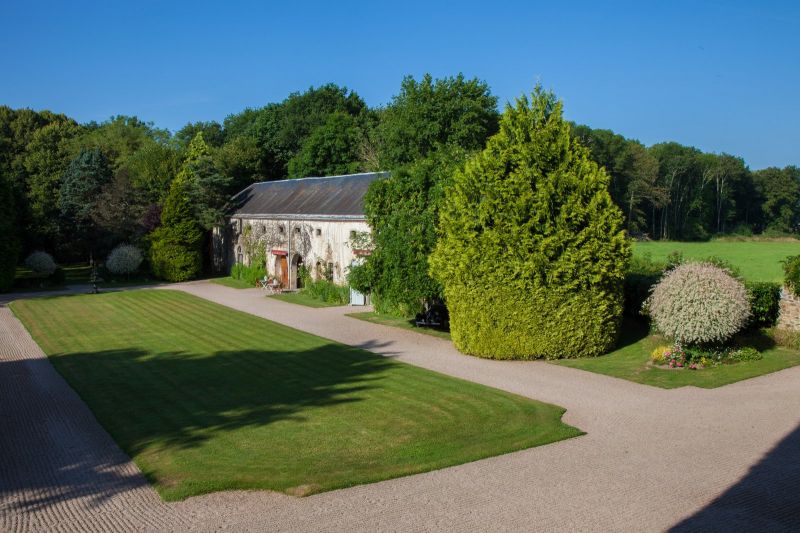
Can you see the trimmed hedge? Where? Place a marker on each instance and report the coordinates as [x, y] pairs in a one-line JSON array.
[[532, 253]]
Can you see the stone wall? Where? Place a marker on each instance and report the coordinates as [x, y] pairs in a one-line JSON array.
[[790, 311], [320, 245]]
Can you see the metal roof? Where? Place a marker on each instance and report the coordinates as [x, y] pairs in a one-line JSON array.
[[323, 197]]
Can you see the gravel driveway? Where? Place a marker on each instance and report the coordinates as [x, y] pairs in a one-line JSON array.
[[652, 459]]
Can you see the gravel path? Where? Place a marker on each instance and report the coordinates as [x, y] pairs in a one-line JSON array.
[[652, 459]]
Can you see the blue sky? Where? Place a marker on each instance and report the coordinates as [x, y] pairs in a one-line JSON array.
[[722, 76]]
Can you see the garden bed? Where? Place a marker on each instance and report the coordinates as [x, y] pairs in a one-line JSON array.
[[631, 361]]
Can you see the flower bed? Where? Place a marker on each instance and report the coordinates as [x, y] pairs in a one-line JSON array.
[[676, 357]]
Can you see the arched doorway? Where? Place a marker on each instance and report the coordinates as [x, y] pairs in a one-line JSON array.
[[297, 271]]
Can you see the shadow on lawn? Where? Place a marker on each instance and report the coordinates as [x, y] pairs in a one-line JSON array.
[[631, 332], [143, 400], [179, 399], [766, 499]]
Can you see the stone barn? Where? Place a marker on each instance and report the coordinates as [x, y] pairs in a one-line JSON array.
[[316, 224]]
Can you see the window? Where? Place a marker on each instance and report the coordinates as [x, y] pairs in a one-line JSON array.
[[297, 229], [319, 232], [352, 235], [329, 272], [281, 229], [239, 258]]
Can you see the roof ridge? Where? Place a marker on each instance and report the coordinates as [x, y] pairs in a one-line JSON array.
[[377, 173]]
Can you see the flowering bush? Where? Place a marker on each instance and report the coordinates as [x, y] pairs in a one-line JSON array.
[[657, 355], [41, 263], [698, 303], [124, 259]]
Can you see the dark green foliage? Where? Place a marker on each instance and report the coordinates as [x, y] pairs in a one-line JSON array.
[[403, 212], [213, 134], [779, 190], [532, 252], [281, 129], [791, 270], [643, 273], [9, 243], [331, 149], [428, 114], [765, 300], [175, 245], [82, 181]]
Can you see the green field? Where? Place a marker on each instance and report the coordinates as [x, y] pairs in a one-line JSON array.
[[756, 260], [630, 361], [205, 398]]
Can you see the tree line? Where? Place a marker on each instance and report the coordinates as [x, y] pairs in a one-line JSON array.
[[76, 190]]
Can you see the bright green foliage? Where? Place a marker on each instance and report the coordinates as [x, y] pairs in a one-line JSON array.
[[326, 291], [250, 274], [9, 243], [532, 253], [331, 149], [403, 212], [428, 114], [175, 245], [207, 187], [151, 168], [47, 156]]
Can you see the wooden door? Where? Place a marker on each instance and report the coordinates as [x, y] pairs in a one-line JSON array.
[[284, 272]]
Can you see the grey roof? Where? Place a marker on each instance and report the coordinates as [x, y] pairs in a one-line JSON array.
[[328, 197]]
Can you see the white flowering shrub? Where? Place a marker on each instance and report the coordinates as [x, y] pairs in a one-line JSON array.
[[698, 303], [41, 263], [124, 259]]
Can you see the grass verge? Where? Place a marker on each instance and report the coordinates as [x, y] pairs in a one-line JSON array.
[[233, 283], [404, 323], [301, 298], [630, 361], [205, 398]]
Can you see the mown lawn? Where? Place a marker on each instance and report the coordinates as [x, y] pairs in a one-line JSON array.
[[204, 398], [756, 260], [233, 283], [301, 298], [403, 323], [630, 361]]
